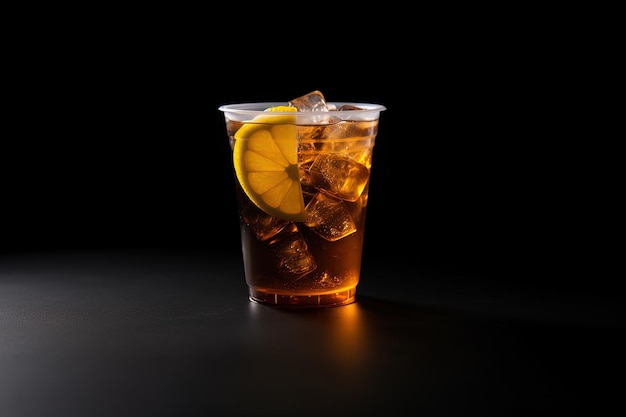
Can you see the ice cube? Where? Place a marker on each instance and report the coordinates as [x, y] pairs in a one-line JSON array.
[[329, 218], [313, 101], [339, 175], [262, 224], [314, 108], [294, 260], [346, 107]]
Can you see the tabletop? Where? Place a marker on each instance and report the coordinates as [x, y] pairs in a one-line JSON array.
[[172, 333]]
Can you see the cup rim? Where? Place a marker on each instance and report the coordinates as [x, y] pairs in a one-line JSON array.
[[256, 108]]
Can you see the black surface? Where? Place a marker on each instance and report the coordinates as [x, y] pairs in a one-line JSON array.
[[172, 333]]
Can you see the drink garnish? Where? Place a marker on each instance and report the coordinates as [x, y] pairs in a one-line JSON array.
[[265, 157]]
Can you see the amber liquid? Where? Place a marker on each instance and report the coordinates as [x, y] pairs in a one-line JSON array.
[[315, 263]]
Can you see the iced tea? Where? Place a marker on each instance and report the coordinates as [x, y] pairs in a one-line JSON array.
[[302, 172]]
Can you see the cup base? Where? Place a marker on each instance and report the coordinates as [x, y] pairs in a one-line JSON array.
[[299, 301]]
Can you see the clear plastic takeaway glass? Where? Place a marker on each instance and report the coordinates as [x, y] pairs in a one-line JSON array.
[[302, 171]]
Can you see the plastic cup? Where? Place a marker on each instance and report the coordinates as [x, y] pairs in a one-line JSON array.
[[302, 185]]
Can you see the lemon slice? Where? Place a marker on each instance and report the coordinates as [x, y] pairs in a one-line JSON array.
[[265, 157]]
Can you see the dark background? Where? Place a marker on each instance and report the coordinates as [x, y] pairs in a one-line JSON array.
[[492, 242], [115, 140]]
